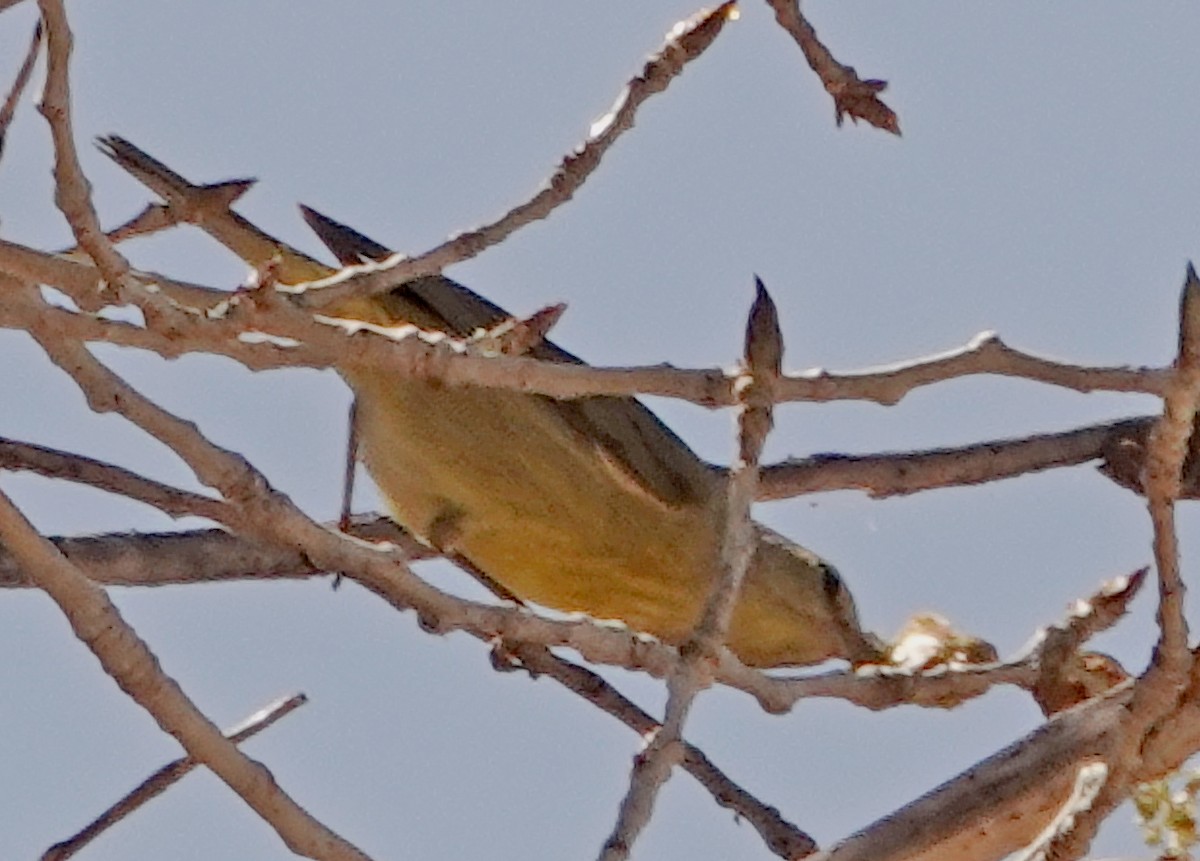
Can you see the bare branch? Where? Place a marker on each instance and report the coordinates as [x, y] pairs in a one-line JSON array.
[[694, 671], [852, 96], [1157, 693], [999, 805], [1167, 451], [201, 556], [155, 218], [986, 353], [898, 473], [80, 280], [1050, 667], [687, 40], [407, 352], [1066, 676], [109, 477], [214, 555], [9, 108], [162, 779], [129, 661], [879, 474]]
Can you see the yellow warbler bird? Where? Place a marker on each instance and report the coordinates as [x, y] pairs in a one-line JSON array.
[[589, 505]]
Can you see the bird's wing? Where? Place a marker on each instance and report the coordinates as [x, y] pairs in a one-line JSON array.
[[630, 438]]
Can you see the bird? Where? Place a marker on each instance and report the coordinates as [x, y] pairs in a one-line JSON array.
[[591, 505]]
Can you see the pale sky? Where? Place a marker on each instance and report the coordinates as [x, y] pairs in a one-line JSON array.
[[1046, 187]]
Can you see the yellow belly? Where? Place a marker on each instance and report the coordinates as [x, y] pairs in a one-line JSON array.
[[500, 478], [533, 494]]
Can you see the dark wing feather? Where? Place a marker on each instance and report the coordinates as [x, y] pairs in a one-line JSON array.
[[627, 434]]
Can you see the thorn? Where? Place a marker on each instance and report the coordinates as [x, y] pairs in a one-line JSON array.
[[1189, 318], [526, 334]]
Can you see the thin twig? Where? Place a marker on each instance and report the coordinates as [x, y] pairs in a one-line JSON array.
[[9, 108], [214, 555], [73, 191], [1067, 676], [780, 836], [155, 218], [687, 40], [129, 661], [171, 773], [53, 463]]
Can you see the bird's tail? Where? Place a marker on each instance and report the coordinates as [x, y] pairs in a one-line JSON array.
[[348, 245]]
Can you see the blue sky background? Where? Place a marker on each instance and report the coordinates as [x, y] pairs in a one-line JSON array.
[[1046, 187]]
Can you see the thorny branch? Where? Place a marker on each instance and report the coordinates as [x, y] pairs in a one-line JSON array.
[[694, 670], [182, 323], [150, 559], [852, 96], [93, 617], [1156, 694], [9, 109]]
